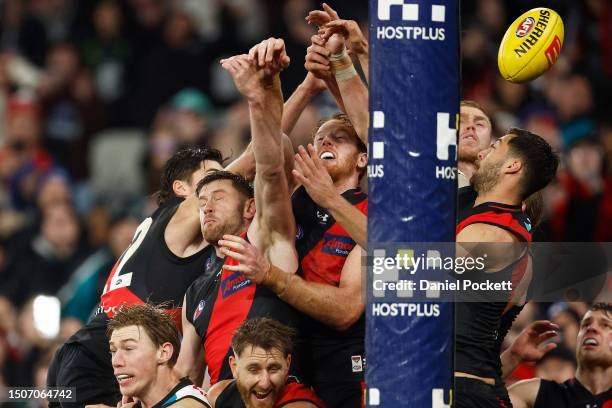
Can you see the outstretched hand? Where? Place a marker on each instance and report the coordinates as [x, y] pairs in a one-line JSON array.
[[270, 55], [530, 345], [317, 58], [252, 263], [310, 171]]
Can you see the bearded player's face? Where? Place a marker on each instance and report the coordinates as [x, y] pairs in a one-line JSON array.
[[594, 345], [489, 165], [221, 210], [336, 145], [260, 375]]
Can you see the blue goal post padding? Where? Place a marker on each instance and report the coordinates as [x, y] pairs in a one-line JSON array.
[[414, 101]]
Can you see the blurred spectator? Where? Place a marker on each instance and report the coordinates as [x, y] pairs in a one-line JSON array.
[[42, 263], [106, 52], [23, 160], [557, 365], [81, 293], [584, 213], [190, 109]]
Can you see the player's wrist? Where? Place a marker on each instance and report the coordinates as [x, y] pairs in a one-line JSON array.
[[341, 66]]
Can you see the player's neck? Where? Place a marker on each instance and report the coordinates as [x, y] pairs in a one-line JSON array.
[[346, 183], [467, 168], [164, 383], [595, 379], [499, 194]]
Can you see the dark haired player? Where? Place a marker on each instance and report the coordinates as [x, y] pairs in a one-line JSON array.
[[260, 366], [514, 167], [215, 307], [592, 385], [144, 344], [166, 255]]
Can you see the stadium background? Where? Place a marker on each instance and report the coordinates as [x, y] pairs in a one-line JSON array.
[[94, 96]]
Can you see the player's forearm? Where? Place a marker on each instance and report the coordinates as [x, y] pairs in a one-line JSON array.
[[351, 219], [266, 113], [355, 97], [509, 362], [328, 304]]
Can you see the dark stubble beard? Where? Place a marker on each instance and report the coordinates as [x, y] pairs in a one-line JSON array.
[[231, 226], [486, 178]]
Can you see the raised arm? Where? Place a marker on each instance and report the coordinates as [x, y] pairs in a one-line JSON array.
[[299, 100], [354, 92], [329, 23], [257, 77], [190, 359]]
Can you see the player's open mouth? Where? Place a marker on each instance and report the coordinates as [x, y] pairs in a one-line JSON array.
[[590, 342], [327, 156], [122, 379], [468, 136], [261, 395]]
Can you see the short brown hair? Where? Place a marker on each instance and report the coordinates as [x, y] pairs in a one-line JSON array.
[[158, 325], [474, 104], [265, 333], [238, 182], [342, 117]]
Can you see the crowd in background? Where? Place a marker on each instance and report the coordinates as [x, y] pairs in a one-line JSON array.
[[96, 95]]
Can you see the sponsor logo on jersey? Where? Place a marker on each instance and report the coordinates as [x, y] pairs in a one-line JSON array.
[[357, 364], [323, 217], [337, 245], [199, 309], [233, 283]]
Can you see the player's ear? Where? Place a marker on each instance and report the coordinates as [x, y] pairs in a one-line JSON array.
[[513, 166], [362, 161], [249, 208], [164, 353], [179, 188], [288, 361], [233, 366]]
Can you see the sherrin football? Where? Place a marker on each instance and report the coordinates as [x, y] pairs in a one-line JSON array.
[[531, 45]]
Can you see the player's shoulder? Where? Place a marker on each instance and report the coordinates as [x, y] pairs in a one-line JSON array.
[[295, 394], [483, 232], [186, 395], [216, 390]]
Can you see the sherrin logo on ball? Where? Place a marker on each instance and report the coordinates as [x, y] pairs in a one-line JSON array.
[[525, 27], [531, 45]]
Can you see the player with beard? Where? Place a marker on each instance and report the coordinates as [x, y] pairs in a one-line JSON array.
[[514, 167], [144, 344], [260, 366], [592, 386], [214, 307], [167, 244], [328, 287]]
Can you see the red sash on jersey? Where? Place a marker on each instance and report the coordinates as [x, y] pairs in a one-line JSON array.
[[294, 392], [234, 299], [324, 262]]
